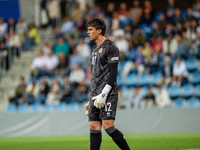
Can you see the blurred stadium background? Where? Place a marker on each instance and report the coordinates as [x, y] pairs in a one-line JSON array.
[[45, 70]]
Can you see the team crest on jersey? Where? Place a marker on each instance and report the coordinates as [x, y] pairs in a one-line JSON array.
[[100, 50]]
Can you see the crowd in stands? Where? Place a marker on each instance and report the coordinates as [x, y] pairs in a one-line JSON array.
[[158, 45]]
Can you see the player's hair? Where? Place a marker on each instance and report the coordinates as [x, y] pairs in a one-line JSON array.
[[97, 23]]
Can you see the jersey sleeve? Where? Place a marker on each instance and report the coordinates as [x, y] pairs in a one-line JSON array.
[[113, 54]]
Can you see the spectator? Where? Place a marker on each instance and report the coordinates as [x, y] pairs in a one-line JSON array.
[[62, 47], [21, 29], [51, 61], [148, 9], [157, 44], [3, 29], [163, 22], [44, 14], [162, 98], [57, 33], [75, 59], [136, 11], [152, 61], [185, 41], [80, 25], [149, 100], [4, 55], [11, 26], [76, 12], [38, 65], [179, 71], [179, 28], [166, 71], [33, 34], [147, 49], [67, 90], [54, 12], [87, 75], [83, 49], [31, 92], [170, 45], [156, 32], [170, 10], [55, 94], [121, 100], [80, 93], [169, 29], [63, 4], [139, 37], [110, 10], [177, 16], [136, 98], [14, 43], [97, 10], [77, 75], [121, 43], [43, 91], [19, 91], [46, 48], [190, 16], [193, 51], [67, 26], [137, 64], [191, 30], [62, 66]]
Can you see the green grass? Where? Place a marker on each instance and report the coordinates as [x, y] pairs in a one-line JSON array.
[[136, 142]]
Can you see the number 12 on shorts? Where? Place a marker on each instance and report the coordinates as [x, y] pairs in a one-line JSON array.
[[108, 106]]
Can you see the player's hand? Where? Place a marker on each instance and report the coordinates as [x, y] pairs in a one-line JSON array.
[[87, 108], [99, 100]]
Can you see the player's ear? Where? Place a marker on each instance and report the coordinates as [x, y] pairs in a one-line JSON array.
[[100, 31]]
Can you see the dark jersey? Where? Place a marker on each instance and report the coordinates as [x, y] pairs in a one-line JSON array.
[[101, 56]]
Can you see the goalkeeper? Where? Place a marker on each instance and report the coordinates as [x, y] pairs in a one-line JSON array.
[[101, 108]]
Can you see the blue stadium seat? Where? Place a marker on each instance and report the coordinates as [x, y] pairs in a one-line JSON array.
[[192, 64], [174, 91], [61, 107], [74, 106], [131, 80], [36, 107], [144, 79], [11, 108], [188, 91], [23, 108], [197, 91], [119, 80], [193, 103], [156, 77], [195, 78], [180, 103], [184, 14], [48, 108]]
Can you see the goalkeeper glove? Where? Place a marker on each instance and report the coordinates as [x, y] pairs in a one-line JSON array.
[[99, 100], [87, 108]]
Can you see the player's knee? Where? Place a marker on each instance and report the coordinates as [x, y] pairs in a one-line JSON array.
[[108, 124], [95, 126]]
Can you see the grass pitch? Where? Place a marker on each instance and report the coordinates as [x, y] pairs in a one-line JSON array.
[[136, 142]]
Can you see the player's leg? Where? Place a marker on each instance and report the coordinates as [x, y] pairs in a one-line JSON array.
[[116, 135], [95, 135]]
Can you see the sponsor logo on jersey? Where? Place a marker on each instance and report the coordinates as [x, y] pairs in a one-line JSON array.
[[115, 58], [108, 114], [100, 50]]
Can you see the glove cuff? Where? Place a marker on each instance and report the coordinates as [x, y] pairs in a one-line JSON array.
[[106, 89]]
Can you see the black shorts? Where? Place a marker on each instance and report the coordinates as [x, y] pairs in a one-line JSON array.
[[108, 112]]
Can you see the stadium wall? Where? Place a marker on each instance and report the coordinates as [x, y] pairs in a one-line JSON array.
[[76, 123]]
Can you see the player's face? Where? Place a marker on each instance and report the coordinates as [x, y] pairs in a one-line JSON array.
[[93, 33]]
